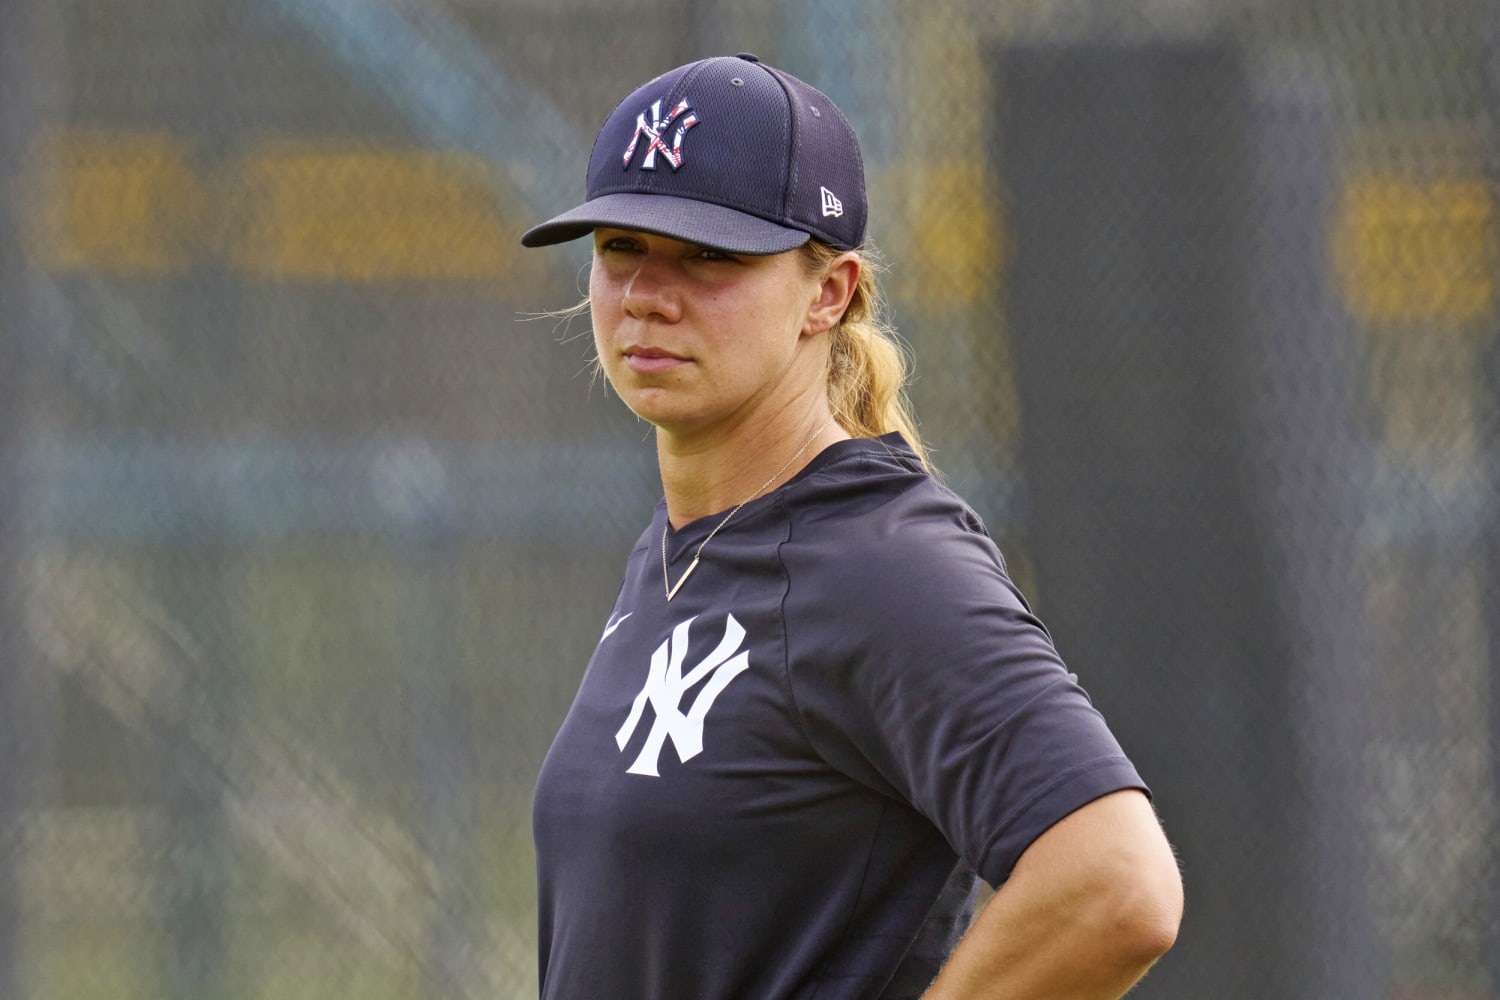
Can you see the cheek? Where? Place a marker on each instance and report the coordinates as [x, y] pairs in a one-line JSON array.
[[600, 354], [604, 330], [603, 308], [597, 290]]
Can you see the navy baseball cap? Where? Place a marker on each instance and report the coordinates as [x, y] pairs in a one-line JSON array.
[[728, 153]]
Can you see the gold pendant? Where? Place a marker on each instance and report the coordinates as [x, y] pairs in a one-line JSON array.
[[682, 579]]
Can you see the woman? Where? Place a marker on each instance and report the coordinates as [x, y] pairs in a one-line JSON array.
[[819, 706]]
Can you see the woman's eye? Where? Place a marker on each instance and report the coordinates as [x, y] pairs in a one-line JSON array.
[[708, 254]]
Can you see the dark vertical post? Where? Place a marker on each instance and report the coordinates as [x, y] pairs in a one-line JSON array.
[[1164, 287], [1119, 313]]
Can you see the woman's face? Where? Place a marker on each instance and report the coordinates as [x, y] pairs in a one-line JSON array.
[[696, 339]]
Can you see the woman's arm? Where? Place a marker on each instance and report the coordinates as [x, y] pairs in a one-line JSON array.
[[1091, 904]]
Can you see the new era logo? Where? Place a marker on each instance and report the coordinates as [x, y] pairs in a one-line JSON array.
[[831, 205]]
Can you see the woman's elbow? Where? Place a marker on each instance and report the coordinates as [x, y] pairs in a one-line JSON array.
[[1110, 866], [1148, 932], [1145, 910]]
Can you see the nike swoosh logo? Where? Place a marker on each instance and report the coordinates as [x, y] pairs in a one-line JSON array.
[[613, 624]]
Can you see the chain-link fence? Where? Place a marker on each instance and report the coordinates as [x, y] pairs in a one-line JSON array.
[[307, 526]]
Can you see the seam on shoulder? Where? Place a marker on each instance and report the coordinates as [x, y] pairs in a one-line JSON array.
[[858, 460]]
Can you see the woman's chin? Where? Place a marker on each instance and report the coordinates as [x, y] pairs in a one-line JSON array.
[[661, 408]]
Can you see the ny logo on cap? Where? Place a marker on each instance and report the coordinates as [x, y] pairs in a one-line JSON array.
[[655, 129]]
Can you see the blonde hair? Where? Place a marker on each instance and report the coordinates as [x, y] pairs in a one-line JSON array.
[[868, 365]]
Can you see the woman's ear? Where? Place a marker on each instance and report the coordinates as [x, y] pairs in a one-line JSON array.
[[834, 293]]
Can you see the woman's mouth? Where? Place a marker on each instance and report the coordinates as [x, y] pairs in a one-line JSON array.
[[652, 360]]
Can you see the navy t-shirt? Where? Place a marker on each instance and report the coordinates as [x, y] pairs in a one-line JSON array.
[[780, 784]]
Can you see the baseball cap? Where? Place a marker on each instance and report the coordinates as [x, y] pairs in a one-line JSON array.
[[728, 153]]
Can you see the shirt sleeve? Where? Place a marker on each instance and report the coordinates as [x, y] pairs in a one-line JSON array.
[[919, 670]]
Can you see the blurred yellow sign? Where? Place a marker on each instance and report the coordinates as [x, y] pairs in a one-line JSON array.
[[136, 204], [1408, 251], [311, 212], [128, 203]]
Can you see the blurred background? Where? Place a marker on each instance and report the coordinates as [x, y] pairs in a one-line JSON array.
[[308, 524]]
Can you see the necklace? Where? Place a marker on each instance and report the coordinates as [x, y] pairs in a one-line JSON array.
[[666, 580]]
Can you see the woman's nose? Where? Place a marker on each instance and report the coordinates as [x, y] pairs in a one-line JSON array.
[[651, 290]]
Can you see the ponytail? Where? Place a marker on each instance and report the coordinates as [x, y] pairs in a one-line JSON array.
[[867, 364]]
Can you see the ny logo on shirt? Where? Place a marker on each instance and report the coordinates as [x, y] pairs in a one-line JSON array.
[[665, 687]]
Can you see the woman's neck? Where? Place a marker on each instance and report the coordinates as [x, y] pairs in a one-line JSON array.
[[709, 475]]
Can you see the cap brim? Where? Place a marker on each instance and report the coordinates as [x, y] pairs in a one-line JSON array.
[[683, 219]]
